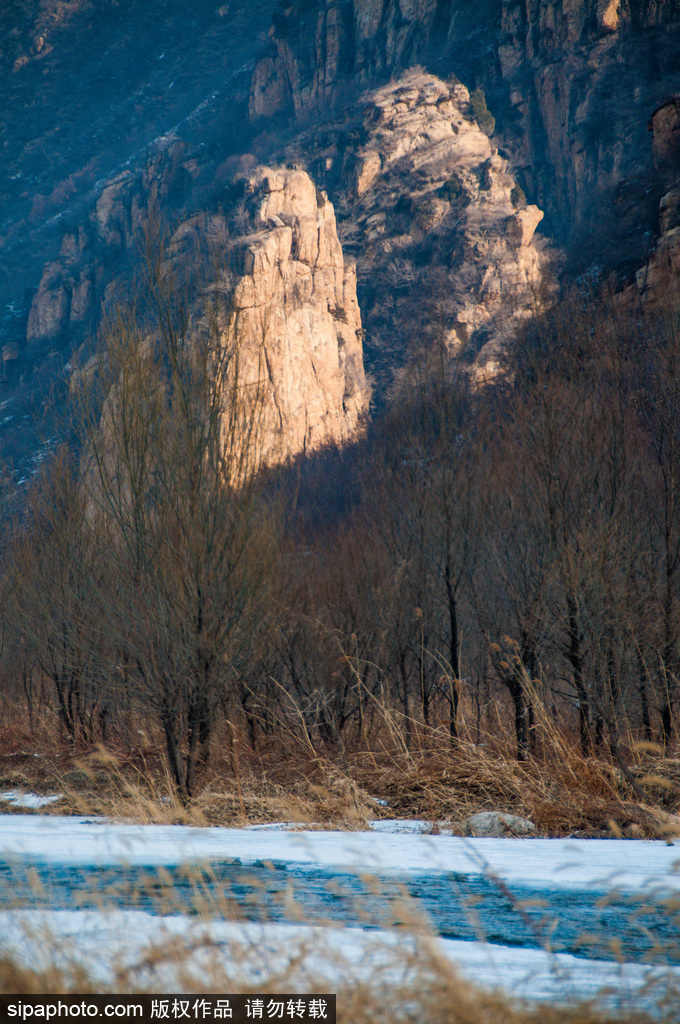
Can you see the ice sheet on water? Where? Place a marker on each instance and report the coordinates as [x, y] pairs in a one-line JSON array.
[[105, 940], [560, 863]]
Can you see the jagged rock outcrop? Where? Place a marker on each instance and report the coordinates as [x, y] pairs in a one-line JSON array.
[[294, 312], [66, 294], [83, 278], [664, 124], [320, 49], [280, 315], [572, 85], [443, 237], [659, 279], [295, 317], [286, 305]]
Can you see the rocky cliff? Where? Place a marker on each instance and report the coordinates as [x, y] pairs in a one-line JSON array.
[[439, 217], [320, 50], [572, 84], [443, 236], [441, 233], [286, 303], [579, 81], [658, 280], [295, 317], [89, 272]]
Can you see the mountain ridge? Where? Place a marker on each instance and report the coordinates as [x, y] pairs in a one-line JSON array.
[[260, 84]]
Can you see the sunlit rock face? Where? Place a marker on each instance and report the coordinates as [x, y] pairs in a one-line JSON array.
[[295, 318], [443, 237], [441, 215], [572, 84]]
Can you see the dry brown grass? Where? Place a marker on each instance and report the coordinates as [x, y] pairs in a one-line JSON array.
[[570, 796], [560, 790], [414, 985], [444, 1004], [563, 792], [134, 784]]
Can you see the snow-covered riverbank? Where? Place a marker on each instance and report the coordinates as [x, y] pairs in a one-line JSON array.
[[167, 950], [627, 864], [173, 953]]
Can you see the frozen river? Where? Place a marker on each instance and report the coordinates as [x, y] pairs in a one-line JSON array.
[[559, 918]]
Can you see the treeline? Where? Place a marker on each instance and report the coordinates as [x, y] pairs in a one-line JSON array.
[[507, 551]]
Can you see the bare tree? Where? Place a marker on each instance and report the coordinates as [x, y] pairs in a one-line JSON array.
[[54, 572], [658, 407], [171, 470]]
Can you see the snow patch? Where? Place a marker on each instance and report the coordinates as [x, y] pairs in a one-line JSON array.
[[33, 801], [562, 863], [248, 953], [404, 826]]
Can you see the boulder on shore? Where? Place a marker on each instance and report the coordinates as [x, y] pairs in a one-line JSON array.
[[498, 824]]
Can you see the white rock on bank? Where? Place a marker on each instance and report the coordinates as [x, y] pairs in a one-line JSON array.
[[498, 824]]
